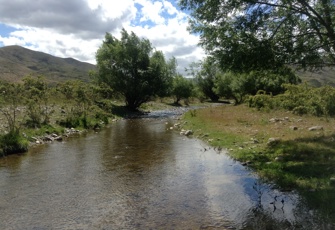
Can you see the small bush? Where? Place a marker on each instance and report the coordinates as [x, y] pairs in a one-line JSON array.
[[105, 105], [83, 121], [101, 116], [13, 142], [260, 101], [70, 122], [300, 110]]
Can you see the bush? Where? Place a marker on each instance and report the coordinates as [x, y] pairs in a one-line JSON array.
[[261, 100], [300, 110], [71, 121], [300, 99], [13, 142]]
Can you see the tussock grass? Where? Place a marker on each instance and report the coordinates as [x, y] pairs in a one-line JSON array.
[[298, 158], [12, 142]]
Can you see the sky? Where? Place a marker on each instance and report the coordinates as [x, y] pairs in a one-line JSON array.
[[76, 28]]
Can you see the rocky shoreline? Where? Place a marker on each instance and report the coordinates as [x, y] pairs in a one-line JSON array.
[[47, 138]]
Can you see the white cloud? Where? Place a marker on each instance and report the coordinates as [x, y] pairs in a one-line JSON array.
[[7, 41], [60, 45], [170, 8], [151, 11], [112, 9], [76, 29]]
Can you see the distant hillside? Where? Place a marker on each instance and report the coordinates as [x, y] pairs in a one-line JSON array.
[[17, 62], [325, 76]]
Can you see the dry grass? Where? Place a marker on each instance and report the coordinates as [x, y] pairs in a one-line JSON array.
[[251, 123]]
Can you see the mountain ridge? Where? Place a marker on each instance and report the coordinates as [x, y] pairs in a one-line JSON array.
[[17, 62]]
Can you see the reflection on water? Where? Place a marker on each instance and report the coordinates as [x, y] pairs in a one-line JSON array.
[[137, 174]]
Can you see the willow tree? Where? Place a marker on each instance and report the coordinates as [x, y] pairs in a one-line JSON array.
[[182, 88], [245, 35], [132, 68], [205, 73]]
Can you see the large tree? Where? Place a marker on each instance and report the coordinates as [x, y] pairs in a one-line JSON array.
[[132, 68], [182, 88], [263, 34], [205, 73]]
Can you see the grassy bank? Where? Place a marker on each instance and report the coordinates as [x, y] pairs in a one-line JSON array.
[[295, 152]]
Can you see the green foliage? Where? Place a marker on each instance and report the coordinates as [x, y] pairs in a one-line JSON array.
[[72, 121], [161, 73], [246, 35], [103, 91], [205, 73], [27, 108], [130, 68], [182, 88], [44, 129], [270, 81], [300, 99], [67, 89], [13, 142], [37, 95], [85, 104], [82, 93], [239, 85], [261, 100], [81, 97], [91, 120], [11, 97], [228, 85]]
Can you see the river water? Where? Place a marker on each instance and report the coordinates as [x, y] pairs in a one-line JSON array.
[[139, 174]]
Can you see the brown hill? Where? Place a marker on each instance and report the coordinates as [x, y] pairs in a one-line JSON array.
[[17, 62]]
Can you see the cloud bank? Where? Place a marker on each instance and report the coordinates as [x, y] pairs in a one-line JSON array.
[[76, 28]]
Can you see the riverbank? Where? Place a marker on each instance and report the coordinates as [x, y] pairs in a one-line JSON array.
[[295, 152], [62, 125]]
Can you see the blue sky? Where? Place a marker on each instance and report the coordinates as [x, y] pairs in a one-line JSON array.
[[76, 28], [5, 30]]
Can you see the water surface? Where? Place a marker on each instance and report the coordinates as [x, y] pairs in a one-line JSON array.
[[139, 174]]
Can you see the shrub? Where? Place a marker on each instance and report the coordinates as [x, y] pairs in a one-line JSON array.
[[300, 99], [300, 110], [70, 121], [13, 142], [261, 100]]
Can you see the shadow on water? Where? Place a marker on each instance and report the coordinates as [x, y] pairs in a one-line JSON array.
[[139, 174]]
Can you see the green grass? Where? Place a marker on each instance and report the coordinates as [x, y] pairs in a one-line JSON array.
[[44, 129]]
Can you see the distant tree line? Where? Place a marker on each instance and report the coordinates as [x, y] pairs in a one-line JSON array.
[[136, 71]]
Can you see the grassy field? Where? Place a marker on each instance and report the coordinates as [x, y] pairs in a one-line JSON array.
[[278, 145]]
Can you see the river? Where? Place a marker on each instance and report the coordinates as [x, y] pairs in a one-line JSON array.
[[139, 174]]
